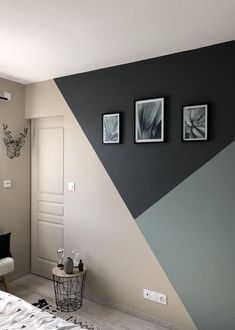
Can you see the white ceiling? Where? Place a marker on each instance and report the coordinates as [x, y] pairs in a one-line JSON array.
[[44, 39]]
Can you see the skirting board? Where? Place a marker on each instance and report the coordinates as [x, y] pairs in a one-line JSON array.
[[13, 277], [158, 321], [121, 308]]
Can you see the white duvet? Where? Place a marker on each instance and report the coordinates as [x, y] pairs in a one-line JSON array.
[[16, 313]]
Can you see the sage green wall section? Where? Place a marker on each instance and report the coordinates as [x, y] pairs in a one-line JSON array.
[[15, 201], [97, 222], [192, 233]]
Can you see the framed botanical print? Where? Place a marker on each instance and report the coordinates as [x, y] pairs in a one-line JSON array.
[[149, 120], [111, 128], [195, 122]]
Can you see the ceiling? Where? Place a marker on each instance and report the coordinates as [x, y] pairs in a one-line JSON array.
[[44, 39]]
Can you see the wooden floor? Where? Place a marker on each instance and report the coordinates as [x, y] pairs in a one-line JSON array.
[[31, 288]]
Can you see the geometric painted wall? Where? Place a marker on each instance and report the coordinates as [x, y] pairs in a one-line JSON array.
[[181, 194], [97, 218], [191, 230], [144, 173]]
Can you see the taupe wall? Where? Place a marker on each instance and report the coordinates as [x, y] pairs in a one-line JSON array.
[[15, 201], [98, 223]]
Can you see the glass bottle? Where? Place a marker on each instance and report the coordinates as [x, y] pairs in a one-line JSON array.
[[75, 257], [60, 253]]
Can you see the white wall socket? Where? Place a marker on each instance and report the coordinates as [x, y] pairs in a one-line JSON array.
[[155, 296], [7, 95], [161, 298], [147, 294]]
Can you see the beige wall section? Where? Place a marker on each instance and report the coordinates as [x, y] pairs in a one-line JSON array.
[[15, 201], [97, 222], [41, 103]]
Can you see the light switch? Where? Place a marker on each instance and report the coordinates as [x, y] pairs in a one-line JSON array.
[[7, 183], [71, 186]]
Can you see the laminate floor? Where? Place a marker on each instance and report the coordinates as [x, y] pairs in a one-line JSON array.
[[31, 288]]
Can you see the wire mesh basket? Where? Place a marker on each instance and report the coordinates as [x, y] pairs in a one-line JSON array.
[[69, 290]]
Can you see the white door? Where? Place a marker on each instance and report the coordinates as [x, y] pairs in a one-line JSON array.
[[47, 229]]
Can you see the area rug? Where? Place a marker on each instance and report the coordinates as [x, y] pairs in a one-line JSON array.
[[83, 323]]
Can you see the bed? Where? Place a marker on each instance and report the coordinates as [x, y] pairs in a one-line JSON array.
[[16, 313]]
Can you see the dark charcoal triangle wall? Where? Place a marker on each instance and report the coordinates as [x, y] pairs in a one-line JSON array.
[[143, 173]]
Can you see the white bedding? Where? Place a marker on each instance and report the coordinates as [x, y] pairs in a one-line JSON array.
[[16, 313]]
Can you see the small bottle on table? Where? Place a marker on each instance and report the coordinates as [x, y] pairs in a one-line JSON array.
[[80, 266]]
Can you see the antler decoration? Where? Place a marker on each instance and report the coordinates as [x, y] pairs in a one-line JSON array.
[[13, 145]]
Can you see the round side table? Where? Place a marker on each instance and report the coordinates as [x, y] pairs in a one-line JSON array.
[[69, 289]]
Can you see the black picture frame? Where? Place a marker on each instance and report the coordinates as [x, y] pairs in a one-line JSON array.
[[195, 123], [111, 128], [149, 120]]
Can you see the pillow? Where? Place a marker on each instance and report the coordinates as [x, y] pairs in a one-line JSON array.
[[5, 246]]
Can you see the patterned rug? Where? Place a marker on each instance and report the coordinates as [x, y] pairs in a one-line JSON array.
[[83, 323]]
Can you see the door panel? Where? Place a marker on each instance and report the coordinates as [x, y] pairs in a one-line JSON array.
[[46, 246], [47, 193], [50, 208], [50, 156]]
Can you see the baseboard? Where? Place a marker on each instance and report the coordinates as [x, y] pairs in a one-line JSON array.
[[165, 325], [15, 276]]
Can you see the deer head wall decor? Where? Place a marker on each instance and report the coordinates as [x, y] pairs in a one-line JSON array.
[[13, 145]]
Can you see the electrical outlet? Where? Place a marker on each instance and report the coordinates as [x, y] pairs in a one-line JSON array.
[[155, 296], [147, 294], [161, 298]]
